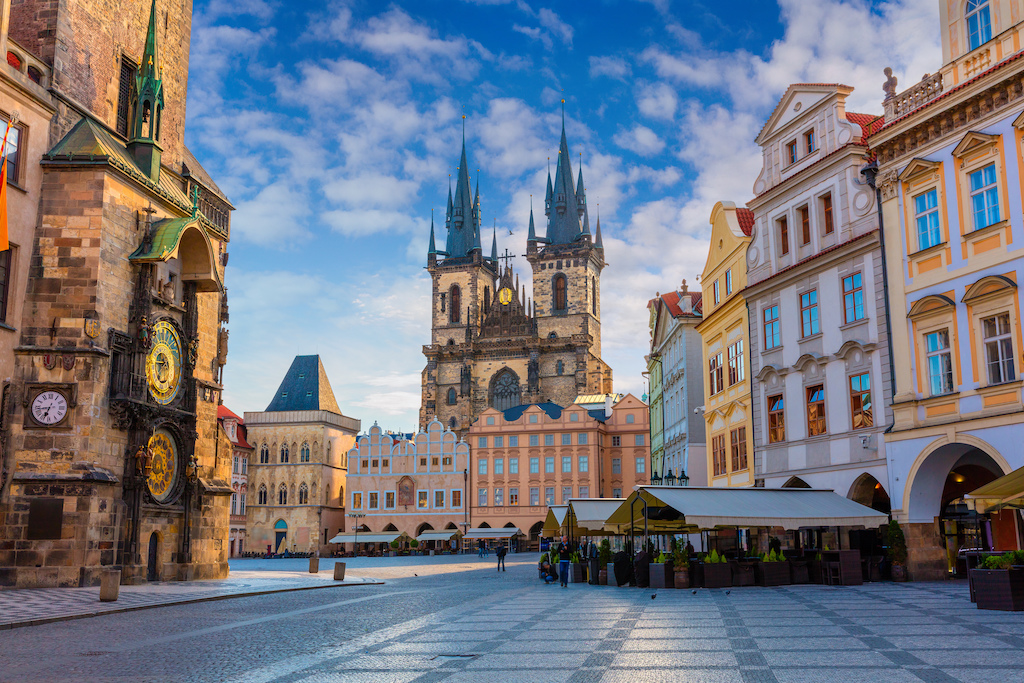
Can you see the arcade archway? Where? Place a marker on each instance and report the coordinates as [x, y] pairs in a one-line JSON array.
[[868, 491]]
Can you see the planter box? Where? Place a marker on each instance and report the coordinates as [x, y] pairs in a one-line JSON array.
[[798, 571], [662, 575], [814, 571], [772, 573], [999, 589], [576, 572], [743, 573], [610, 571], [602, 577], [717, 575], [681, 578]]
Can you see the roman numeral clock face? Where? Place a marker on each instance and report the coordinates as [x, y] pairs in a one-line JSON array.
[[49, 407]]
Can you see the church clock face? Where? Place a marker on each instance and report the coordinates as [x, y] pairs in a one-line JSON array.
[[49, 408], [505, 296], [163, 364], [163, 473]]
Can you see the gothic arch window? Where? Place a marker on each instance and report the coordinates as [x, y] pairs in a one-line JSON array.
[[505, 391], [341, 494], [559, 367], [261, 496], [487, 299], [454, 311], [451, 397], [284, 453], [264, 454], [451, 424], [593, 296], [552, 335], [303, 494], [304, 453], [282, 495], [328, 451], [558, 288]]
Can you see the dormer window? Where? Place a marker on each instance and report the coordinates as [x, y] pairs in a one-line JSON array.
[[979, 23], [791, 153], [809, 141]]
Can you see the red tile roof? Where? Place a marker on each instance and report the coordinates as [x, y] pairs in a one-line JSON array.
[[868, 122], [223, 413], [671, 300], [746, 219], [240, 438]]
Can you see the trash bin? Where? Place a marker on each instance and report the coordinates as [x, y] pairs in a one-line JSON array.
[[339, 571], [110, 585]]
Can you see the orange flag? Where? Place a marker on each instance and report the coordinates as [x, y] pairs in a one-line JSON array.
[[4, 240]]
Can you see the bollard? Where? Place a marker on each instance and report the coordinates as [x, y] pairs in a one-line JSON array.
[[314, 565], [110, 585], [339, 571]]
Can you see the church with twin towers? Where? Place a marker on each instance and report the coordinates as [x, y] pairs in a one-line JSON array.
[[492, 343]]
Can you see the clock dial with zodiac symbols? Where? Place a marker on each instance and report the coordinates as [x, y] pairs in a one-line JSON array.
[[163, 473], [163, 364]]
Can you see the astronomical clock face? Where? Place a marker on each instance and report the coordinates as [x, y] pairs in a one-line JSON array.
[[164, 460], [505, 296], [163, 364]]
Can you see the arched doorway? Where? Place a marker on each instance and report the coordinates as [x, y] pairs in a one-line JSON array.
[[153, 559], [868, 491], [535, 534], [280, 536], [935, 493]]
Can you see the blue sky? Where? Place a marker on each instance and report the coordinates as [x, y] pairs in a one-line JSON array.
[[333, 128]]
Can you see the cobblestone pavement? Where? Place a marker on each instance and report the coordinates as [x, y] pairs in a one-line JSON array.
[[459, 620]]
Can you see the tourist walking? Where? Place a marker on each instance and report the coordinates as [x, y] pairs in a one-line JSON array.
[[480, 548], [563, 563], [500, 552]]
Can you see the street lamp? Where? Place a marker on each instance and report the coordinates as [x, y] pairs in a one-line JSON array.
[[670, 479], [683, 479], [655, 479], [355, 543]]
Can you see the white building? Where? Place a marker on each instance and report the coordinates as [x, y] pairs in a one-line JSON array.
[[819, 354]]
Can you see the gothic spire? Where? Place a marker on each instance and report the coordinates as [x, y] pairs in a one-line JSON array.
[[549, 197], [432, 249], [564, 222], [494, 245], [462, 220], [532, 236], [144, 135], [598, 244]]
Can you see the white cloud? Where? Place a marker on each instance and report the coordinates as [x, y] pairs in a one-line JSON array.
[[613, 67], [658, 101], [639, 140], [554, 23], [273, 218]]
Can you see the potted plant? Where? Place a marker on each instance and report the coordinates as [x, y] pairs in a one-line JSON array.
[[999, 582], [896, 544], [575, 569], [604, 559], [394, 547], [680, 566], [661, 572], [414, 544], [717, 572], [773, 570]]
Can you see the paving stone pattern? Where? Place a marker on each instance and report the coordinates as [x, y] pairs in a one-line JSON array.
[[456, 619]]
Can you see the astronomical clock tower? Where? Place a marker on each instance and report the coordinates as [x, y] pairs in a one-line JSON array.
[[492, 344], [112, 458]]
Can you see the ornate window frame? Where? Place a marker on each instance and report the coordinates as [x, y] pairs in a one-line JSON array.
[[921, 176], [934, 313], [990, 296], [973, 153]]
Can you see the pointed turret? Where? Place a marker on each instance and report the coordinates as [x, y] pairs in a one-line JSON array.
[[532, 236], [598, 244], [581, 192], [494, 245], [148, 105], [463, 226], [448, 214], [549, 198], [564, 222], [432, 249]]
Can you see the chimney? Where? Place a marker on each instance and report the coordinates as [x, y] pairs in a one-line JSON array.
[[607, 405]]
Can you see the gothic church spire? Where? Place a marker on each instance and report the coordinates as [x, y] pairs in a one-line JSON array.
[[144, 136]]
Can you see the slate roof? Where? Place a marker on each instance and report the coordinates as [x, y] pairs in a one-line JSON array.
[[305, 387], [746, 220], [192, 167], [512, 414]]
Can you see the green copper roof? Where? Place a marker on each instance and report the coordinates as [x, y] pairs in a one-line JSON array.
[[167, 234], [166, 238]]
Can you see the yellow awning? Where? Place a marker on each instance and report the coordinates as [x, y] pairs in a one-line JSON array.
[[1005, 492], [554, 521]]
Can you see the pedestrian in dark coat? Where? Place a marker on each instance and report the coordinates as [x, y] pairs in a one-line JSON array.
[[500, 552]]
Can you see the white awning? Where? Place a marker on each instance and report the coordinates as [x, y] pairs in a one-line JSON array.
[[437, 535], [590, 514], [554, 520], [365, 538], [710, 507], [492, 533]]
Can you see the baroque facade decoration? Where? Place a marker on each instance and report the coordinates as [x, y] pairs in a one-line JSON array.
[[409, 486], [950, 172], [675, 371], [528, 458], [819, 357], [111, 425], [297, 475], [492, 345], [724, 332]]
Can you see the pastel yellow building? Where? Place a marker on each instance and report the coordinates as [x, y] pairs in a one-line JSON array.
[[724, 335]]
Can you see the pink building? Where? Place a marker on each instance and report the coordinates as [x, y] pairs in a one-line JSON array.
[[234, 429], [533, 456]]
